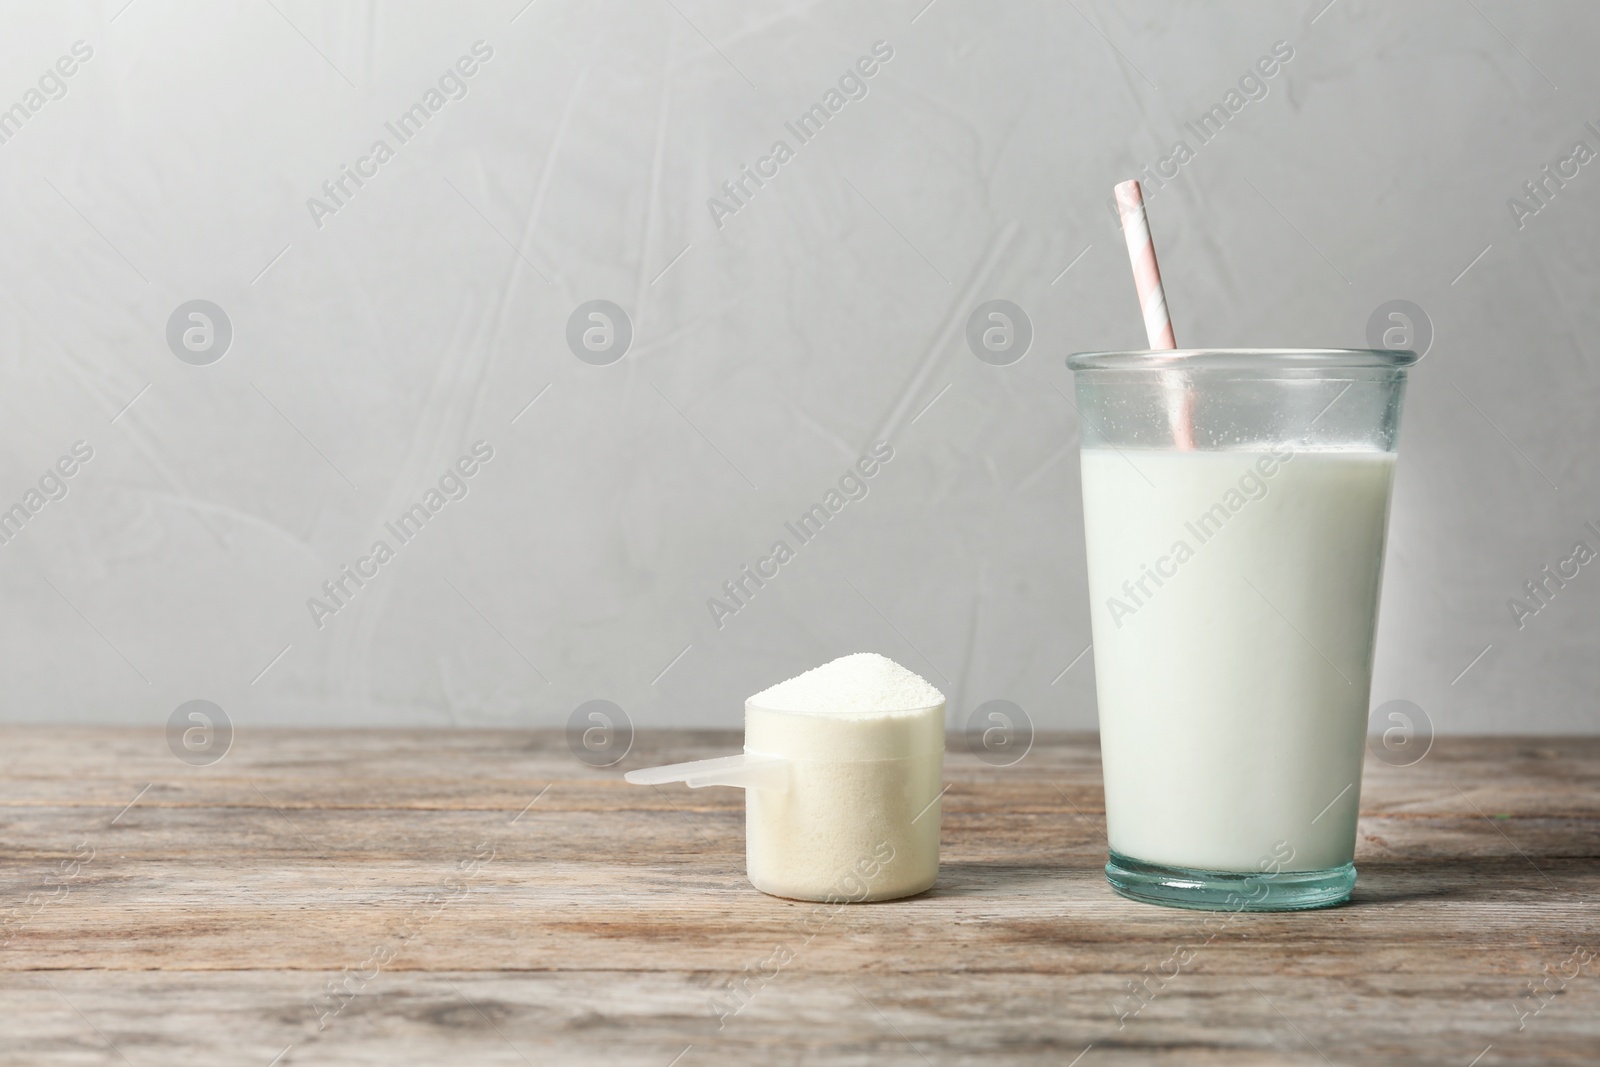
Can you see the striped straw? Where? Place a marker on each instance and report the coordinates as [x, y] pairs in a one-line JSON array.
[[1146, 274], [1153, 305]]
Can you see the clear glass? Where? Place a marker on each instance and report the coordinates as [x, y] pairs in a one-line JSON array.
[[1235, 510]]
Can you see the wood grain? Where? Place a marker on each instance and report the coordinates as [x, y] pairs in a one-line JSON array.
[[483, 897]]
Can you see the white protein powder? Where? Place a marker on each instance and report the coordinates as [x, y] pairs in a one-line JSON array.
[[864, 741]]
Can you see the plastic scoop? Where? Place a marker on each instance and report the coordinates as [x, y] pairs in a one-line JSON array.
[[842, 773], [744, 771]]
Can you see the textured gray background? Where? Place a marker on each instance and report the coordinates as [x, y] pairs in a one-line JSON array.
[[768, 354]]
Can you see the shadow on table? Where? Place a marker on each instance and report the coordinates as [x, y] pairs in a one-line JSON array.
[[968, 878], [1468, 880], [1458, 880]]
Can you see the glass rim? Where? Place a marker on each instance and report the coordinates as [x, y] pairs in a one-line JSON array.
[[1265, 359]]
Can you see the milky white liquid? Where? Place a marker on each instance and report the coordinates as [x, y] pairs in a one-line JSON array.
[[1233, 697]]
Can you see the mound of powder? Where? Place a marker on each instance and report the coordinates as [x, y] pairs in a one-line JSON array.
[[863, 743], [861, 683]]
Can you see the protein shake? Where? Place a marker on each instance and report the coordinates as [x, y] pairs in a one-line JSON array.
[[1234, 602], [1235, 503]]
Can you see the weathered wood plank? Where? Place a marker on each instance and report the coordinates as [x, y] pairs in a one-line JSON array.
[[608, 918], [800, 1017]]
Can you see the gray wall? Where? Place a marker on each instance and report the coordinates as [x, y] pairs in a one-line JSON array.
[[372, 345]]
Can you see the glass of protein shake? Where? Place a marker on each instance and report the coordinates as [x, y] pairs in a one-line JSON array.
[[1235, 506]]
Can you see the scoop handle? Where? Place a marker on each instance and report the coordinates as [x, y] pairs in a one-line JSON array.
[[743, 771]]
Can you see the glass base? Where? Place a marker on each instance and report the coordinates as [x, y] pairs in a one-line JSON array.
[[1184, 887]]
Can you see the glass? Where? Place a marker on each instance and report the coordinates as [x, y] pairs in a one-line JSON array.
[[1235, 509]]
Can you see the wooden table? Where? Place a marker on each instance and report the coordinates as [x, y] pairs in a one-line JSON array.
[[475, 896]]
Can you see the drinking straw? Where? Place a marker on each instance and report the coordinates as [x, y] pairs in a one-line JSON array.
[[1153, 304], [1146, 273]]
